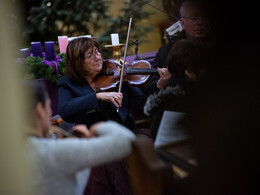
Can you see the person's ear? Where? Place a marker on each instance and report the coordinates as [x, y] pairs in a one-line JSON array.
[[190, 75], [187, 73], [182, 23], [40, 110]]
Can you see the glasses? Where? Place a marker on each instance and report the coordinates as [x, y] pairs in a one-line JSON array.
[[94, 53], [195, 18]]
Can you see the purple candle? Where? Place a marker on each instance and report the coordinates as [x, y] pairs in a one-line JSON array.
[[49, 50], [25, 52], [36, 49]]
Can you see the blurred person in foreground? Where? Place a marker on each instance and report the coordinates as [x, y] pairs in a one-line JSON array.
[[62, 166]]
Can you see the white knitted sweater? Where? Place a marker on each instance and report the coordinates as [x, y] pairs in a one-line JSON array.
[[62, 166]]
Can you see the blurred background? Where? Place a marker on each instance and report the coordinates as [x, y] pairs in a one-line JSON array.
[[47, 19]]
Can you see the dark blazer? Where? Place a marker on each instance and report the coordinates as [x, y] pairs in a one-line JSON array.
[[78, 104], [160, 62]]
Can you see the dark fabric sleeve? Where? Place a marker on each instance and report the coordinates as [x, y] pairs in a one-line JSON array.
[[136, 99], [161, 56], [71, 107], [156, 62]]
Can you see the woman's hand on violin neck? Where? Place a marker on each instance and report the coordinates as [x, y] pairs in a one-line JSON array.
[[114, 97], [165, 75]]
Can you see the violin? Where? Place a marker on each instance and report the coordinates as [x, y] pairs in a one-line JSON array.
[[114, 73], [56, 132], [137, 73]]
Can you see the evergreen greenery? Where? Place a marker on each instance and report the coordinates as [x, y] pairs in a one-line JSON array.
[[33, 68], [120, 24], [48, 19]]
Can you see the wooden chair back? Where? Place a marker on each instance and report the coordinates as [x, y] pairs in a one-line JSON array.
[[147, 172]]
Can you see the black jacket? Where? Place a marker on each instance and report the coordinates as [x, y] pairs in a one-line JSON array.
[[160, 62], [78, 104]]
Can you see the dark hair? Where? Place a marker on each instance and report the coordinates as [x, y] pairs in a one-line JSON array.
[[201, 7], [75, 52], [38, 92], [193, 55]]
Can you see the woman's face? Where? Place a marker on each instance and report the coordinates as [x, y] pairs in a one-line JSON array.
[[93, 62]]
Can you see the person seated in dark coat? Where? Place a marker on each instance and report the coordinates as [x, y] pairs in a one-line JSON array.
[[62, 165], [195, 25], [81, 102], [188, 61]]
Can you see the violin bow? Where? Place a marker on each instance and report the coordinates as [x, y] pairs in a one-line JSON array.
[[123, 66]]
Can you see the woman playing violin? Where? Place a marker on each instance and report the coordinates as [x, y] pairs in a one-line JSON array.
[[79, 99], [81, 102], [62, 166]]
